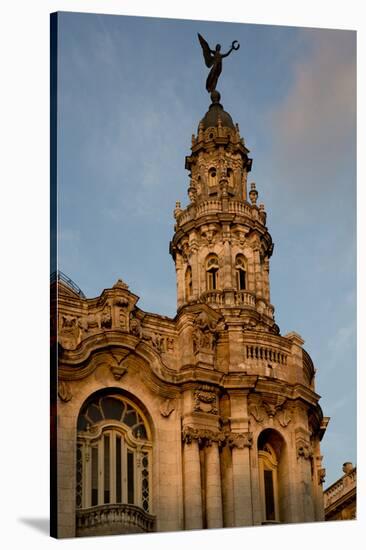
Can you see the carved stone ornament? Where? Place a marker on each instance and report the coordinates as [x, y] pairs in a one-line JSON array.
[[106, 318], [120, 301], [204, 336], [118, 369], [257, 411], [158, 342], [304, 450], [135, 327], [69, 333], [321, 475], [121, 284], [202, 436], [284, 417], [96, 321], [205, 401], [166, 408], [240, 440], [64, 391], [272, 408]]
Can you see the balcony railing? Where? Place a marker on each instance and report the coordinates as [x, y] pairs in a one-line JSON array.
[[244, 298], [267, 354], [236, 298], [113, 519], [340, 488], [60, 276], [214, 297], [215, 205]]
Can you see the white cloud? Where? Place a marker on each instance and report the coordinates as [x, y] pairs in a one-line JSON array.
[[315, 124]]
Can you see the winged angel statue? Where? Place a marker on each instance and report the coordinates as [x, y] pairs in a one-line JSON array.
[[213, 58]]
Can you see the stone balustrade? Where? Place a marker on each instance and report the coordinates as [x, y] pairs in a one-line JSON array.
[[265, 353], [343, 486], [113, 519], [240, 207], [211, 206], [213, 297], [244, 298]]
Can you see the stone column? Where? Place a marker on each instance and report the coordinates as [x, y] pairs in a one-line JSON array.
[[258, 274], [266, 288], [192, 481], [227, 487], [240, 444], [251, 272], [213, 486], [180, 280], [194, 263], [227, 282], [304, 455]]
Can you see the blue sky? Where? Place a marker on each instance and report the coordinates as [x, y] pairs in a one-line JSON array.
[[131, 93]]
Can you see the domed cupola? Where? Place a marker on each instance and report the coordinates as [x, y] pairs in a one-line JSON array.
[[216, 115]]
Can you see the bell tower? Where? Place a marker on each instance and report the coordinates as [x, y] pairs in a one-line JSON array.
[[221, 245]]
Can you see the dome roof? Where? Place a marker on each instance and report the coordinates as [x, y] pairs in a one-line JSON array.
[[215, 111]]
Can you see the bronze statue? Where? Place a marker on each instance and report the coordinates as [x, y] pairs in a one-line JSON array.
[[213, 58]]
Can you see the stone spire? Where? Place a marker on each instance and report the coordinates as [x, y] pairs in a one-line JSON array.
[[221, 246]]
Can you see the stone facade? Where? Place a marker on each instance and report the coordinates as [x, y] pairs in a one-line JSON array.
[[340, 497], [206, 420]]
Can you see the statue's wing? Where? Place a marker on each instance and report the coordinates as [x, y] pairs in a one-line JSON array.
[[206, 51]]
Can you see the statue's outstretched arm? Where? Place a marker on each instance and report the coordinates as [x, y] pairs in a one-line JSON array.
[[234, 46], [228, 53]]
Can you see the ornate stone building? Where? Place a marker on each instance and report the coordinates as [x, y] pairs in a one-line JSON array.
[[206, 420], [340, 497]]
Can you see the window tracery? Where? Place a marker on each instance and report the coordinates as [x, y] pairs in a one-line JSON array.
[[113, 454]]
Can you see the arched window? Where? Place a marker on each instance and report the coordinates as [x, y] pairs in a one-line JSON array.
[[273, 476], [113, 454], [241, 274], [188, 283], [212, 177], [212, 272], [230, 177]]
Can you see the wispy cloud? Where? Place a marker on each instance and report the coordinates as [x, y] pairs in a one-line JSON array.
[[317, 117]]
